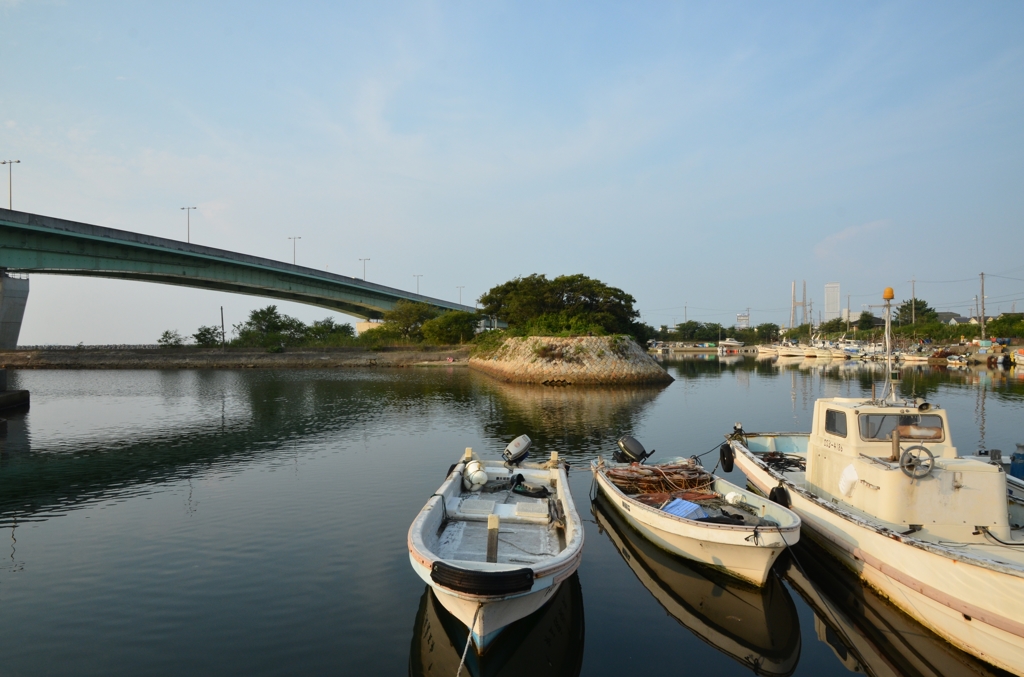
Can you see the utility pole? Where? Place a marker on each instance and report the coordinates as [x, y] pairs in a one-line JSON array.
[[222, 328], [418, 281], [188, 223], [803, 306], [792, 307], [364, 268], [847, 313], [983, 306], [460, 288], [913, 295], [294, 242], [10, 197], [685, 308]]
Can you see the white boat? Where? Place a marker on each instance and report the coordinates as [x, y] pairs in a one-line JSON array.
[[878, 484], [729, 346], [742, 536], [497, 539], [769, 350], [757, 627], [788, 349]]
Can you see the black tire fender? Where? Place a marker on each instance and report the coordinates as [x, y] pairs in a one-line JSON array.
[[727, 456], [780, 495]]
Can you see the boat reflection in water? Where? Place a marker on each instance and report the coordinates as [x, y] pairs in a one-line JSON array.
[[867, 633], [547, 642], [756, 627]]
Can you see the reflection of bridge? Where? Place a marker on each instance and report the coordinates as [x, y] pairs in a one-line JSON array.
[[30, 243]]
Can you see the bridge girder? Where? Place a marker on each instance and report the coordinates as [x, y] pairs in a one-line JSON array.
[[31, 243]]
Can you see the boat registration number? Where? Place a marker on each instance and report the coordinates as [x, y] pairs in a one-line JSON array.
[[625, 505], [829, 444]]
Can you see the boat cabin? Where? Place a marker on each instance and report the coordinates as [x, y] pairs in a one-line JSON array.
[[896, 462]]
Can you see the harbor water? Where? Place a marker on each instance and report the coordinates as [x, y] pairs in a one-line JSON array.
[[254, 522]]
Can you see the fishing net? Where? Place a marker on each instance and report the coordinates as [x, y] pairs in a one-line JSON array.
[[668, 479]]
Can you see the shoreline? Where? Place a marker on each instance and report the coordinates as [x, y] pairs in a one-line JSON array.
[[215, 358]]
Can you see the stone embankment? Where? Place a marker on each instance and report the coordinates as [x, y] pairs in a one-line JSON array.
[[197, 358], [580, 360]]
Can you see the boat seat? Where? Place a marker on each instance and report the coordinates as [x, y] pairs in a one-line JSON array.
[[520, 512]]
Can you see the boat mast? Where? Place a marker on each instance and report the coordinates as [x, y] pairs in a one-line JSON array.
[[890, 383]]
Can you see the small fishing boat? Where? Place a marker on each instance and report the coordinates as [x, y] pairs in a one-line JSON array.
[[497, 539], [689, 512], [757, 627]]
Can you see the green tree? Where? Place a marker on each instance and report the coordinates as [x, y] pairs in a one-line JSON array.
[[207, 337], [407, 318], [767, 332], [322, 331], [833, 326], [171, 339], [568, 303], [453, 327], [866, 321], [916, 309], [1007, 325], [268, 328]]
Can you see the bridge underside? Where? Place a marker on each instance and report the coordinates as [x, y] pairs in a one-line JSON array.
[[30, 243]]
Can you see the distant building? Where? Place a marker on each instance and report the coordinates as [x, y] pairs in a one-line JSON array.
[[954, 321], [743, 320], [831, 301], [945, 316], [844, 315]]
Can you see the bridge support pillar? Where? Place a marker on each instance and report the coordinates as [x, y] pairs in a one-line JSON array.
[[13, 297]]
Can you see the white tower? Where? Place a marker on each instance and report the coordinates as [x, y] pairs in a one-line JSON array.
[[832, 302]]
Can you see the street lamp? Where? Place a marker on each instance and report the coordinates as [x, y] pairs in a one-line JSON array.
[[294, 242], [188, 223], [418, 282], [460, 288], [364, 268], [9, 163]]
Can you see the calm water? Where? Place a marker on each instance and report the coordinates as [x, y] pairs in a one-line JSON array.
[[254, 522]]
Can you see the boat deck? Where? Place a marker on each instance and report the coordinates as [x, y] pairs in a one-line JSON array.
[[526, 535]]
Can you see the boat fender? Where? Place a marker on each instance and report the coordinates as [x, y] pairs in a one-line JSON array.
[[474, 477], [780, 495], [481, 582], [726, 455]]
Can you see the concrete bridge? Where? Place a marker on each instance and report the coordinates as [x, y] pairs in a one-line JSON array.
[[31, 243]]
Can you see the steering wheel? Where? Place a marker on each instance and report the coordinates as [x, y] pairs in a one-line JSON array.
[[917, 462]]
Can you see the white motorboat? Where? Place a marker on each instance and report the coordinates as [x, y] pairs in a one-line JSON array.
[[878, 483], [497, 539], [685, 510], [757, 627], [791, 350]]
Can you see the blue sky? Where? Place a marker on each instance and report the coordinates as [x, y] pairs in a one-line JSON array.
[[698, 155]]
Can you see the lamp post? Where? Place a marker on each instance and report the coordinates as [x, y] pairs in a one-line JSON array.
[[418, 282], [460, 288], [294, 241], [10, 199], [364, 268], [188, 223]]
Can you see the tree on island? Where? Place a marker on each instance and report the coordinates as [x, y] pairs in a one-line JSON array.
[[915, 311], [574, 304]]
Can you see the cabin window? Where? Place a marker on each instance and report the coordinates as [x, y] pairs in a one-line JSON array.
[[919, 427], [835, 422]]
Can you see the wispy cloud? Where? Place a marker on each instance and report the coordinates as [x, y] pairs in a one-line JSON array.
[[828, 247]]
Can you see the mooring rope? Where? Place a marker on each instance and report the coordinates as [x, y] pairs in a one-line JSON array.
[[469, 639]]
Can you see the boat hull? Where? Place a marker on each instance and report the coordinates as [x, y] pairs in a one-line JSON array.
[[720, 546], [975, 608], [488, 596]]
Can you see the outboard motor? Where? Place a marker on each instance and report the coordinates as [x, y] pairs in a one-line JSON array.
[[631, 451], [517, 451]]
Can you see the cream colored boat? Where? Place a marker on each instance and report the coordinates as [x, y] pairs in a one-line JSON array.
[[878, 483], [742, 539]]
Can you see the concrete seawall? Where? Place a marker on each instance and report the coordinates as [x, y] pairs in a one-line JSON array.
[[580, 360]]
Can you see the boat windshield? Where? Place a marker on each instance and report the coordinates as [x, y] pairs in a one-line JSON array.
[[910, 426]]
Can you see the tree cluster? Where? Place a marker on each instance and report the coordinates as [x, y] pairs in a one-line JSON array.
[[418, 322], [266, 328], [567, 304]]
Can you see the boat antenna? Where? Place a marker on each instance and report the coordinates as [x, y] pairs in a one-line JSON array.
[[890, 379]]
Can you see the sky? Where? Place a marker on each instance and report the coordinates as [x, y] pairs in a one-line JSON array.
[[700, 156]]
